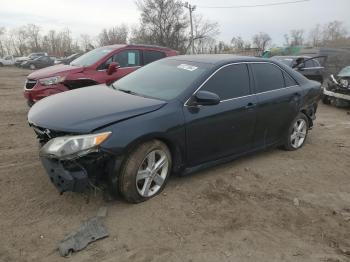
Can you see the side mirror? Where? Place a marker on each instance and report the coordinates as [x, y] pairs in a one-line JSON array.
[[112, 68], [205, 98]]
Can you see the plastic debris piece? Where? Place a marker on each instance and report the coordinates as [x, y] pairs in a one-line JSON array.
[[89, 231]]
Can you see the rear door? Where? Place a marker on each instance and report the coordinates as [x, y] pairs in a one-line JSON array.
[[220, 130], [278, 97]]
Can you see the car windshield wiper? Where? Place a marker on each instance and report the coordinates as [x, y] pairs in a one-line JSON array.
[[127, 91]]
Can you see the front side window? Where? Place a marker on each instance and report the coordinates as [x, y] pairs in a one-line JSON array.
[[127, 58], [267, 77], [229, 82], [151, 56]]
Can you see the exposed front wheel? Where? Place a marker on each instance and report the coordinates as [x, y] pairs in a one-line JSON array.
[[145, 172], [297, 133]]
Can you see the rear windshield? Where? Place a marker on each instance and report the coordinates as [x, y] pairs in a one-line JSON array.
[[163, 79], [92, 57]]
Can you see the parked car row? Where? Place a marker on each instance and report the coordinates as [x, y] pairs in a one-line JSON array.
[[20, 60], [130, 129]]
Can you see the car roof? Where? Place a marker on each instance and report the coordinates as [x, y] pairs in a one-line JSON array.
[[139, 46], [291, 56], [218, 59]]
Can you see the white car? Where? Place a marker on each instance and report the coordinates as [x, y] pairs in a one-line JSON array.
[[7, 61]]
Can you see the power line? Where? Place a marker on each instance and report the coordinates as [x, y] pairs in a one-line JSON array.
[[259, 5]]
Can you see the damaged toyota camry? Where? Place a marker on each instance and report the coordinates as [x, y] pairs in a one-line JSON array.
[[174, 116]]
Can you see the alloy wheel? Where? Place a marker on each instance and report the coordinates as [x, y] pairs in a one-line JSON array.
[[298, 135], [152, 173]]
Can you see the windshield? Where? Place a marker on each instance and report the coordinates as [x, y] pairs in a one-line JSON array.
[[345, 71], [92, 57], [164, 79]]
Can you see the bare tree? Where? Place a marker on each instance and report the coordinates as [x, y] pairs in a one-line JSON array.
[[295, 38], [33, 37], [2, 45], [114, 35], [316, 36], [86, 42], [204, 33], [237, 43], [163, 22], [335, 34], [18, 39], [261, 41]]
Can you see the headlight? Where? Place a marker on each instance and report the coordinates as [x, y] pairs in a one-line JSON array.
[[51, 80], [70, 147]]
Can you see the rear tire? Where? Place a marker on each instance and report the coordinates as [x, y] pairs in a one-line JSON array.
[[1, 64], [145, 172], [326, 100], [297, 133]]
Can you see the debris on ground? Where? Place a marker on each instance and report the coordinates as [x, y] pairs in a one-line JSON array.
[[296, 202], [90, 231]]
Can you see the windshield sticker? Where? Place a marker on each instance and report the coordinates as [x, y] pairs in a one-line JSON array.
[[187, 67]]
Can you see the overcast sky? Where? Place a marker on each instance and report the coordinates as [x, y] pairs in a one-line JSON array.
[[90, 16]]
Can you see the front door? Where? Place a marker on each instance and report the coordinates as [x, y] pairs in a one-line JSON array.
[[221, 130]]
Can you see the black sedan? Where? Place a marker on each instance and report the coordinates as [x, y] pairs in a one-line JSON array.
[[38, 62], [176, 115]]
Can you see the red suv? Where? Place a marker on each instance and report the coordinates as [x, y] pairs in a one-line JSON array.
[[101, 65]]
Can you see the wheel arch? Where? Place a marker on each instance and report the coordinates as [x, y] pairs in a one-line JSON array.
[[175, 150]]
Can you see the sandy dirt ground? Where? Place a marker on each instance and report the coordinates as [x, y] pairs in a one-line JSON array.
[[270, 206]]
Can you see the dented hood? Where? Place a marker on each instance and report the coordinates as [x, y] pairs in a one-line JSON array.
[[56, 70], [83, 110]]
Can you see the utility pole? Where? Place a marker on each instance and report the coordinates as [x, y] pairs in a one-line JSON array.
[[191, 9]]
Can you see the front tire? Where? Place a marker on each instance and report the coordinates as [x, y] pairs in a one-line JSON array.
[[145, 172], [297, 133], [31, 66]]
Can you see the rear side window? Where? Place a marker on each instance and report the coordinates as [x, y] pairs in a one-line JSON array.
[[229, 82], [309, 63], [267, 77], [151, 56]]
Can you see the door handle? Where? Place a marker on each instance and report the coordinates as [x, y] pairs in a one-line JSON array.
[[250, 105]]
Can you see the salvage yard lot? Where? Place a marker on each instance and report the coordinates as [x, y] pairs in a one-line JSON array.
[[270, 206]]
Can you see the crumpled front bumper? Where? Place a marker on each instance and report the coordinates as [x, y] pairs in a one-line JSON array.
[[336, 94], [74, 179]]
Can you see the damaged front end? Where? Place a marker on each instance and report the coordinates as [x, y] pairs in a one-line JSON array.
[[74, 162], [337, 89]]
